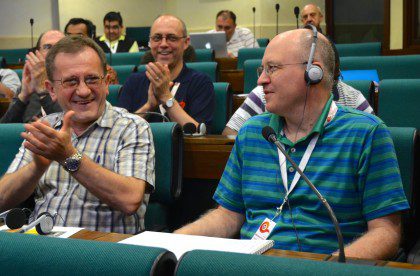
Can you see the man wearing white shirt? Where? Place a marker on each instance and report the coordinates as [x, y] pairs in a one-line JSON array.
[[236, 37]]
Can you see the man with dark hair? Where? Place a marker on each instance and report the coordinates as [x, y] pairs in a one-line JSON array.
[[168, 86], [347, 154], [33, 100], [113, 40], [92, 164], [236, 37], [80, 26]]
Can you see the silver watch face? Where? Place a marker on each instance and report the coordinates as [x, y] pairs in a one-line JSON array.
[[170, 102]]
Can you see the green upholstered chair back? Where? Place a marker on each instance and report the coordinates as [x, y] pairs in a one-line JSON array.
[[201, 262], [209, 68], [399, 102], [23, 254], [250, 74], [249, 53], [14, 56], [169, 147], [10, 141], [19, 73], [124, 58], [263, 42], [203, 55], [123, 72], [359, 49], [388, 67], [223, 109], [367, 88], [114, 93], [2, 62], [407, 149]]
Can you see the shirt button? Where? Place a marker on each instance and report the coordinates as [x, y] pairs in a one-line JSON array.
[[293, 150], [291, 169]]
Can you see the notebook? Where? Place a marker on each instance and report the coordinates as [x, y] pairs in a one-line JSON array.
[[213, 40], [179, 244]]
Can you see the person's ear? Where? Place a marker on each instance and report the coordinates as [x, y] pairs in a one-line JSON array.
[[50, 87]]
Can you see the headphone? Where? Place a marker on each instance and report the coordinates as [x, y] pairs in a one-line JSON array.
[[313, 73], [14, 218], [43, 224], [189, 129]]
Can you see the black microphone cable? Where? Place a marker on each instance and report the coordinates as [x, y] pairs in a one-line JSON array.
[[294, 226], [148, 113]]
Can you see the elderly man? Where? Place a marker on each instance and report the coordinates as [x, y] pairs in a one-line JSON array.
[[311, 14], [113, 40], [236, 37], [92, 164], [9, 83], [33, 100], [350, 159], [168, 85]]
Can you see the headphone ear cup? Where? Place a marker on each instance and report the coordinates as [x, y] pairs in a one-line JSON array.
[[202, 129], [15, 218], [45, 226], [314, 74]]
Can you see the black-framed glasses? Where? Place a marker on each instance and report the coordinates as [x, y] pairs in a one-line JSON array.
[[169, 37], [92, 81], [269, 69]]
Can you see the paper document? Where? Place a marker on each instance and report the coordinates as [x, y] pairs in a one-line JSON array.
[[179, 244], [57, 231]]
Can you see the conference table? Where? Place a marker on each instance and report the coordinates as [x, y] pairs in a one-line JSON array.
[[116, 237]]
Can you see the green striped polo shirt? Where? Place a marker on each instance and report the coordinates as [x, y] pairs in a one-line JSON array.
[[353, 165]]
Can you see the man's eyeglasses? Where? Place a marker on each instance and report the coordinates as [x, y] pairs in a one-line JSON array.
[[269, 69], [73, 82], [169, 37], [46, 46]]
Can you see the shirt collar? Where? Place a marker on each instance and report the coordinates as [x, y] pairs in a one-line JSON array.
[[103, 38], [277, 122]]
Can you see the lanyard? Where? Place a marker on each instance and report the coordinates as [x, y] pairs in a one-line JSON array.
[[173, 92], [303, 161]]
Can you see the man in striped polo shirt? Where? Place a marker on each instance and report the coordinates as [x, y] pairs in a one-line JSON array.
[[350, 159]]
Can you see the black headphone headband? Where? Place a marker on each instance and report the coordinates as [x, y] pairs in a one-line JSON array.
[[313, 73]]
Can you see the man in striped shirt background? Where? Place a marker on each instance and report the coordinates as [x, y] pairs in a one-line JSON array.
[[352, 163]]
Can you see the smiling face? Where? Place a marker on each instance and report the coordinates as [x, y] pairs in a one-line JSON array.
[[88, 102], [112, 30], [166, 51]]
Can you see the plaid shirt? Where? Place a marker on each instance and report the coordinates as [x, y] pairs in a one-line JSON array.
[[118, 141]]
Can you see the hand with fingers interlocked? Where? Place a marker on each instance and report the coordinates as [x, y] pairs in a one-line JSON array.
[[160, 80], [36, 66]]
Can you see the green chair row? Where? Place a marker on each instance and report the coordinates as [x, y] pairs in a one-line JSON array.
[[203, 55], [263, 42], [23, 254], [14, 56], [245, 54], [124, 58], [359, 49], [388, 67]]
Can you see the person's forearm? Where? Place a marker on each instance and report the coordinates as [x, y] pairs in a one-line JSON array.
[[15, 112], [48, 105], [119, 192], [229, 131], [177, 114], [18, 186], [144, 109], [219, 222]]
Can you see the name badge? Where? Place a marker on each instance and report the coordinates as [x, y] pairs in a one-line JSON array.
[[264, 230]]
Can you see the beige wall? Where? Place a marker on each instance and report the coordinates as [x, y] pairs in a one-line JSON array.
[[396, 25], [199, 15]]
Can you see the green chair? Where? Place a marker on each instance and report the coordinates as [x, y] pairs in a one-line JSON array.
[[209, 68], [169, 147], [2, 62], [359, 49], [14, 56], [124, 58], [223, 109], [250, 74], [263, 42], [247, 54], [10, 142], [19, 72], [388, 67], [201, 262], [399, 102], [114, 92], [203, 55], [23, 254], [366, 87], [407, 149], [123, 72]]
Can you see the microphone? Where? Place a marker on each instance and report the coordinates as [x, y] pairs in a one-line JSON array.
[[31, 21], [297, 11], [43, 224], [14, 218], [269, 135], [277, 17], [253, 11]]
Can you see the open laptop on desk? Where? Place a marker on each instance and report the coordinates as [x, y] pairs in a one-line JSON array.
[[215, 41]]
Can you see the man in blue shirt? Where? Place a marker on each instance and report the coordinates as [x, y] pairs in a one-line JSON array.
[[168, 86]]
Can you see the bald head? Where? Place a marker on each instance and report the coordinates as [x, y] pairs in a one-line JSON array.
[[311, 14], [47, 40], [171, 19]]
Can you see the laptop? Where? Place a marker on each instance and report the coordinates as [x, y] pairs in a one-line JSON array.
[[215, 41]]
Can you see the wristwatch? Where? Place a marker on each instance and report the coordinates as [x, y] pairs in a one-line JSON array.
[[72, 163], [169, 103]]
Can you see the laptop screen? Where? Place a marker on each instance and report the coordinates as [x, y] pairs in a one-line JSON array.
[[213, 40]]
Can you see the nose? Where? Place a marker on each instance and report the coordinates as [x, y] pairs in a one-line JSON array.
[[82, 89], [163, 42], [263, 79]]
